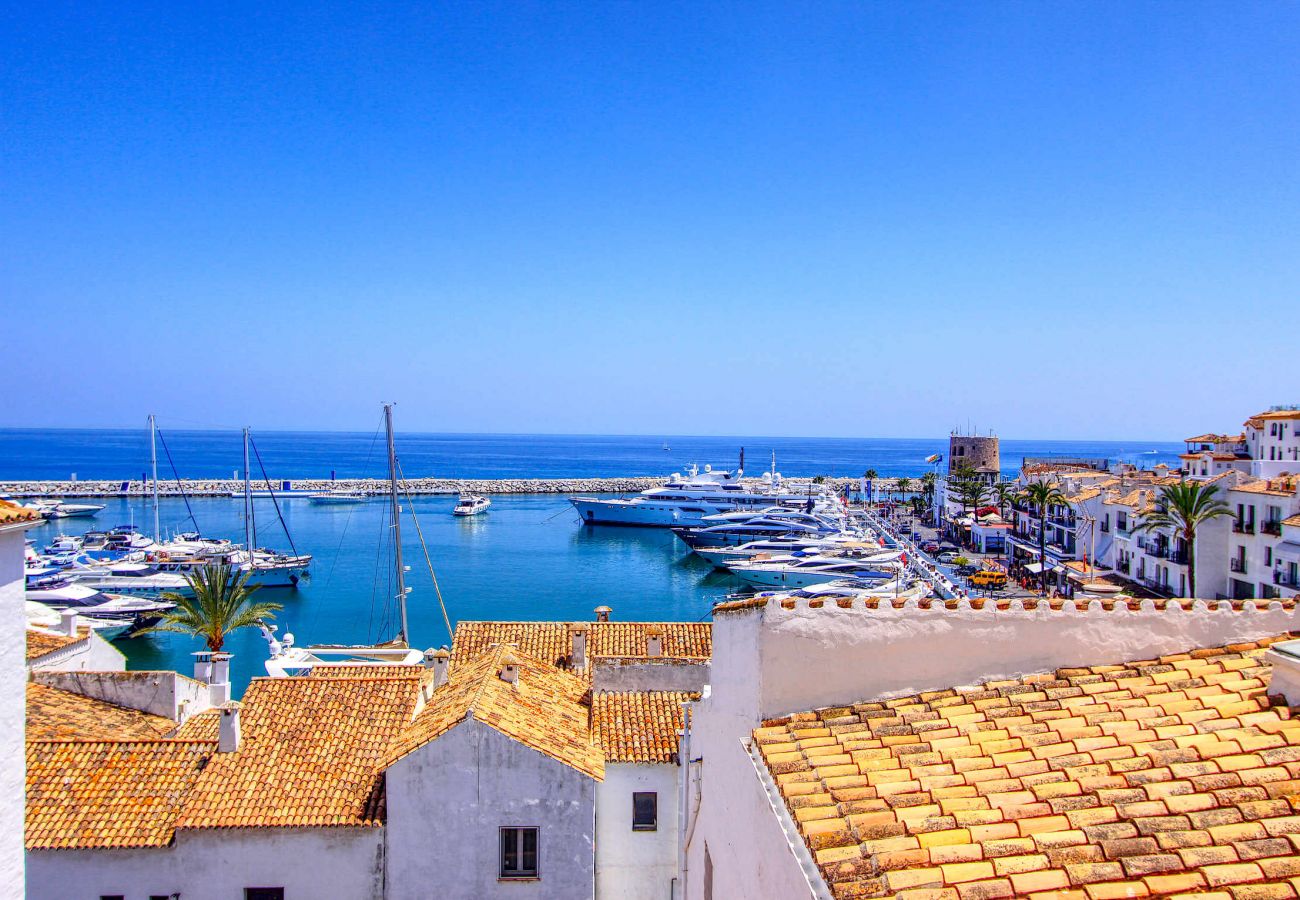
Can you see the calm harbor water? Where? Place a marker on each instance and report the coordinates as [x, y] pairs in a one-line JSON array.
[[123, 454], [526, 558]]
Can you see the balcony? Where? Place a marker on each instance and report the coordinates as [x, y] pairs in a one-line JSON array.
[[1124, 567], [1273, 528], [1062, 521], [1284, 580], [1238, 566], [1240, 527]]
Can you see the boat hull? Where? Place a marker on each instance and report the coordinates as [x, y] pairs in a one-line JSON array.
[[644, 515], [784, 579]]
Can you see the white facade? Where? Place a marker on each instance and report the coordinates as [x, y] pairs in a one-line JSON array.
[[90, 654], [448, 800], [1273, 442], [631, 864], [218, 864], [13, 713]]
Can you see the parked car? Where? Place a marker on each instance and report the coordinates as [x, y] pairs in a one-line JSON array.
[[989, 579], [947, 556], [930, 547], [905, 528], [967, 570]]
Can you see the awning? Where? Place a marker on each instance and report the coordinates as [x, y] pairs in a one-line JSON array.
[[1034, 568], [1288, 550]]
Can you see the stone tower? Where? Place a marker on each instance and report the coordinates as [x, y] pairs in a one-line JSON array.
[[979, 453]]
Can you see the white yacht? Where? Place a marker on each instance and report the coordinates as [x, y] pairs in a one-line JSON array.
[[853, 589], [471, 505], [62, 509], [793, 546], [109, 614], [687, 500], [188, 552], [130, 578], [767, 524], [792, 572]]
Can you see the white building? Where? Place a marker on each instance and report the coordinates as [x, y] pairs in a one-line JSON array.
[[14, 521], [492, 773]]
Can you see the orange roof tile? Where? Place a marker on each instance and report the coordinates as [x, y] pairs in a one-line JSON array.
[[639, 726], [546, 709], [366, 670], [1293, 520], [97, 794], [12, 513], [1278, 414], [58, 715], [41, 641], [552, 643], [204, 726], [1276, 487], [311, 753], [1157, 777]]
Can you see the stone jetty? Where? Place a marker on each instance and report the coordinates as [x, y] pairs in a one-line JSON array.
[[217, 487]]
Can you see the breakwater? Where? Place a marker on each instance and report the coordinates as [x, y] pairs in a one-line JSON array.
[[216, 487]]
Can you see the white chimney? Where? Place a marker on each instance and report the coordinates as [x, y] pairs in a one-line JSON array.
[[228, 732], [68, 622], [654, 641], [438, 660], [203, 666], [1285, 679], [602, 613], [509, 668], [219, 679], [578, 658]]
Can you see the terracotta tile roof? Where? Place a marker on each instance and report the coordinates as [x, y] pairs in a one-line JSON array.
[[1293, 520], [12, 513], [311, 753], [366, 671], [204, 726], [57, 715], [639, 726], [96, 794], [551, 641], [1276, 487], [1277, 414], [1212, 438], [41, 641], [547, 709], [1157, 777], [1139, 500]]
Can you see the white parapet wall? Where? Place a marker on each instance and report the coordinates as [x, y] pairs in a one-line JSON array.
[[642, 674], [823, 656], [161, 693]]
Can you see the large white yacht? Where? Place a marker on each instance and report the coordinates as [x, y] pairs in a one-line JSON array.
[[687, 500]]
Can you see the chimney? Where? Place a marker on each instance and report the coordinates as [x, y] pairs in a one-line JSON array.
[[509, 668], [578, 658], [68, 622], [203, 666], [602, 613], [228, 731], [219, 679], [654, 640], [438, 660]]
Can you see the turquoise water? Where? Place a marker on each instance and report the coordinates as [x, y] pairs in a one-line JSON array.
[[526, 558]]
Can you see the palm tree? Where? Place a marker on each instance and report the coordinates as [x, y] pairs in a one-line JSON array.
[[904, 485], [1182, 509], [928, 481], [1043, 495], [221, 604], [1005, 491], [973, 493], [871, 475]]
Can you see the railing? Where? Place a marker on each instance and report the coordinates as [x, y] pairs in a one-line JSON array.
[[1124, 567], [1240, 527], [1237, 565], [1063, 521], [1282, 578], [1273, 528]]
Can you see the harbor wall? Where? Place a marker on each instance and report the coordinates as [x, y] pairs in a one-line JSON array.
[[217, 487]]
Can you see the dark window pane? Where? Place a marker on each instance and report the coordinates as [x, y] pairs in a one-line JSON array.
[[264, 893], [645, 811]]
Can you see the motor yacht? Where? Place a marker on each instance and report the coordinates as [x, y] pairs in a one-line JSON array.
[[721, 557], [113, 614], [687, 500], [792, 572], [471, 505], [61, 509], [337, 498], [130, 578], [768, 524]]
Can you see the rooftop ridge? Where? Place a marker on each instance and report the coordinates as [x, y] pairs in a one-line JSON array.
[[1117, 606]]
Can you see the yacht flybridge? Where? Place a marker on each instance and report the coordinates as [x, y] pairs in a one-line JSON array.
[[686, 500], [288, 659]]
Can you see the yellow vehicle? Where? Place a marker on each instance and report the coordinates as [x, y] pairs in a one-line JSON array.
[[989, 579]]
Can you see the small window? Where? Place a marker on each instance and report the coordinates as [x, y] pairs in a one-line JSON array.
[[645, 811], [111, 897], [276, 893], [518, 852], [163, 896]]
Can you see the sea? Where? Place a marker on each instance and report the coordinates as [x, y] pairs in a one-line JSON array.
[[527, 558]]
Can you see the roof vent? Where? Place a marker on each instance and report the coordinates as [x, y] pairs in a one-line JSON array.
[[509, 668], [654, 640], [438, 660], [68, 622], [602, 613], [228, 731], [578, 655]]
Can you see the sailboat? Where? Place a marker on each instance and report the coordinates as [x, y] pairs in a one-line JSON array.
[[287, 659]]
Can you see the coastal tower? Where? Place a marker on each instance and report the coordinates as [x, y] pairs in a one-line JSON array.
[[980, 453]]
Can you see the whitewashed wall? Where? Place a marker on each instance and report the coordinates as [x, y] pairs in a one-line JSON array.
[[448, 800], [92, 655], [217, 864], [636, 865], [162, 693], [13, 715]]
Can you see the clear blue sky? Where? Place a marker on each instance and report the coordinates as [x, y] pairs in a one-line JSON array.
[[871, 219]]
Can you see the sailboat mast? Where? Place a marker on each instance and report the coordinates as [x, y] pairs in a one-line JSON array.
[[248, 504], [153, 461], [397, 520]]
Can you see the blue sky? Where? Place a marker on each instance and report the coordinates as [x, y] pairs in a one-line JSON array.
[[1057, 220]]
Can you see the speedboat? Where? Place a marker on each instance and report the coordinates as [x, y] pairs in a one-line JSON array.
[[111, 615], [471, 505], [107, 627], [61, 509], [337, 498], [790, 572], [687, 500], [853, 589], [722, 557], [767, 524]]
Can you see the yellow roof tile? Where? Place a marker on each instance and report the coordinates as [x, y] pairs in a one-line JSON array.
[[57, 715], [1066, 775], [98, 794], [12, 513]]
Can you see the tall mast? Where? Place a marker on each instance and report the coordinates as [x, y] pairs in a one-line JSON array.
[[397, 520], [248, 505], [153, 460]]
